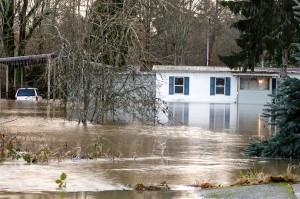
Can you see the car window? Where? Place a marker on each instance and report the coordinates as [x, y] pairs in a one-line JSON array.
[[26, 92]]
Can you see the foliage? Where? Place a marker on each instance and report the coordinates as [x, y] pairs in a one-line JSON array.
[[37, 150], [296, 55], [284, 112], [61, 181], [267, 29], [253, 177], [161, 187]]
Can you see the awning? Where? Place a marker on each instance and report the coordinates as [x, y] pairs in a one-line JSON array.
[[30, 60], [255, 75]]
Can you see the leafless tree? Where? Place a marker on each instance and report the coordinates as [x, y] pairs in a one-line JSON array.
[[89, 71]]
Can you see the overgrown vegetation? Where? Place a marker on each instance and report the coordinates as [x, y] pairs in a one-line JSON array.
[[35, 150], [284, 112], [161, 187], [16, 147], [254, 177]]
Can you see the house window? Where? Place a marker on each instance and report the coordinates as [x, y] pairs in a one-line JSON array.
[[220, 86], [255, 83], [178, 85]]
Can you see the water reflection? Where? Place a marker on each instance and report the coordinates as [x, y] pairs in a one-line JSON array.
[[232, 118], [206, 148]]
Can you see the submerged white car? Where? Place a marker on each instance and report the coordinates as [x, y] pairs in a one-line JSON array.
[[29, 94]]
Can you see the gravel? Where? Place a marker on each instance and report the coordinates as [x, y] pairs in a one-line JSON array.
[[266, 191]]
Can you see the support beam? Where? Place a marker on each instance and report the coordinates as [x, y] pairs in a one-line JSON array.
[[23, 59], [15, 78]]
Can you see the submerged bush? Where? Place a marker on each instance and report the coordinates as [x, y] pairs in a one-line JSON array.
[[284, 112]]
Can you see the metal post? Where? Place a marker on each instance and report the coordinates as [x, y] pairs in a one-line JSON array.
[[15, 78], [22, 73]]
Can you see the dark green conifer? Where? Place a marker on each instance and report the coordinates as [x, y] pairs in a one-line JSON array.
[[267, 29], [284, 112]]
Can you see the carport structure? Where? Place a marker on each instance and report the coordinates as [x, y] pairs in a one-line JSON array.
[[22, 61]]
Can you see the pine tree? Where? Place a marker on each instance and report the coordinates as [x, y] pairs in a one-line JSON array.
[[267, 29], [284, 112]]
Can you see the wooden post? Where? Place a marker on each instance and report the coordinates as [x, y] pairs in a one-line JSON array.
[[6, 85]]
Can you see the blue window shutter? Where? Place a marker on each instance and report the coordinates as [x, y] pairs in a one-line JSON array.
[[212, 85], [273, 85], [227, 88], [186, 85], [171, 85]]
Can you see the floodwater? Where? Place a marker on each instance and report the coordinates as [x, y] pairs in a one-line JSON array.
[[205, 148]]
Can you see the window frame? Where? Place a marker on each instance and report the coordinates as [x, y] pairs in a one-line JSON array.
[[222, 86], [178, 85]]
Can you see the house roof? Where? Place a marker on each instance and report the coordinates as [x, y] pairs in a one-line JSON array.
[[164, 68], [237, 72]]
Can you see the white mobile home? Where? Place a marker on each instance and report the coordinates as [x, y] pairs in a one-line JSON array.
[[210, 84], [195, 84]]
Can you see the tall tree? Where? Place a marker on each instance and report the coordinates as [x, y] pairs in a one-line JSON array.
[[267, 30], [173, 23], [27, 15], [111, 30]]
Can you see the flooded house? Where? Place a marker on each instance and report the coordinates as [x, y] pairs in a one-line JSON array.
[[217, 98], [212, 84]]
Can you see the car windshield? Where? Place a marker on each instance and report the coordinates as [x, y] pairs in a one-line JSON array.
[[26, 92]]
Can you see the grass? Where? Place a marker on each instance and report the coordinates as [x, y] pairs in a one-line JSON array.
[[221, 195], [241, 191], [287, 186], [254, 177]]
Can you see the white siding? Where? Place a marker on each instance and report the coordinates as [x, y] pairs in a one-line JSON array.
[[254, 97], [199, 87]]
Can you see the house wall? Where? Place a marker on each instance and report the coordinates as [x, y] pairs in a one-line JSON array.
[[254, 97], [294, 75], [199, 87], [257, 93]]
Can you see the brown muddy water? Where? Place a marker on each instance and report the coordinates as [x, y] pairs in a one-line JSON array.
[[206, 148]]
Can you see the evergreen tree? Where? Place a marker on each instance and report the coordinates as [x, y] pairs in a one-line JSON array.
[[267, 29], [296, 55], [284, 112]]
